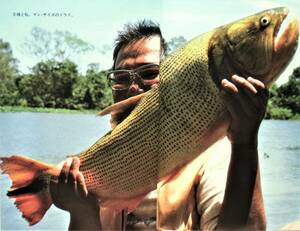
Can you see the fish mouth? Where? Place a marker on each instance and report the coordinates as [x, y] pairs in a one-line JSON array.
[[285, 41], [286, 35]]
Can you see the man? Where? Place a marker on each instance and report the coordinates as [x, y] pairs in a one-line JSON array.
[[213, 191]]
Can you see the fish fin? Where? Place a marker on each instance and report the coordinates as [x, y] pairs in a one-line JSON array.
[[33, 206], [122, 105], [122, 203], [30, 185], [23, 170]]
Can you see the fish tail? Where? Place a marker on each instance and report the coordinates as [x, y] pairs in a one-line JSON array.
[[30, 185]]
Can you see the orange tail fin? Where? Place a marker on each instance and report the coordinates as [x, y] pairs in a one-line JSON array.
[[33, 206], [30, 185]]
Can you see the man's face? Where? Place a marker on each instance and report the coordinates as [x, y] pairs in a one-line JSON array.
[[137, 54]]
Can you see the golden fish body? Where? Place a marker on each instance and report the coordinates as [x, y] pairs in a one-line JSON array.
[[174, 122], [162, 133], [186, 114]]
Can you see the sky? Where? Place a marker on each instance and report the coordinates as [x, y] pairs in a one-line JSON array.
[[98, 21]]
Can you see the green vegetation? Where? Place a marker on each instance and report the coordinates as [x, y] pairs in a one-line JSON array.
[[284, 101], [8, 75], [54, 82], [55, 85], [44, 109]]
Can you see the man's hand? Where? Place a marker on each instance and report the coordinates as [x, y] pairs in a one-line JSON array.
[[70, 192], [246, 102]]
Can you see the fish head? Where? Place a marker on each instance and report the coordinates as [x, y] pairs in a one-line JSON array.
[[254, 47]]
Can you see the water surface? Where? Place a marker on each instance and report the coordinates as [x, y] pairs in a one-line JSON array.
[[50, 137]]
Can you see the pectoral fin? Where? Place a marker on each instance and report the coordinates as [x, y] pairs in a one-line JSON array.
[[122, 105]]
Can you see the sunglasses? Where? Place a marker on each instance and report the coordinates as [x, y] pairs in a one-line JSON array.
[[143, 75]]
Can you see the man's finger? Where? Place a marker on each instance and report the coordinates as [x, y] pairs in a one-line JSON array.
[[243, 83], [75, 164], [228, 86], [74, 169], [81, 187], [263, 92], [63, 176], [57, 185], [228, 93], [258, 84]]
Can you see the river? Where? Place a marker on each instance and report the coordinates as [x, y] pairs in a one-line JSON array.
[[50, 137]]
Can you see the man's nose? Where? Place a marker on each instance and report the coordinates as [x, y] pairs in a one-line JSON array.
[[134, 87], [136, 84]]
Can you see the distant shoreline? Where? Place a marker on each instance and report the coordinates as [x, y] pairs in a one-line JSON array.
[[45, 110], [75, 111]]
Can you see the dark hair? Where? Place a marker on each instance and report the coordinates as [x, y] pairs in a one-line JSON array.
[[136, 31]]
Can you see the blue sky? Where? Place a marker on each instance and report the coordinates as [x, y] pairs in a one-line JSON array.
[[98, 21]]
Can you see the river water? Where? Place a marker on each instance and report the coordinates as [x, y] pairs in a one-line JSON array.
[[50, 137]]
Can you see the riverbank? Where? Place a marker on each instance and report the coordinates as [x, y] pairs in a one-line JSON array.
[[71, 111], [44, 109]]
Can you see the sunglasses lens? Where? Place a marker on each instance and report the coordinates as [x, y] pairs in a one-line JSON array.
[[148, 73], [119, 80]]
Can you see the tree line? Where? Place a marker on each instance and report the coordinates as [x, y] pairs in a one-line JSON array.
[[55, 84], [284, 101], [55, 81]]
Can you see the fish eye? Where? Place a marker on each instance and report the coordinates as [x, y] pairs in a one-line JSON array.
[[265, 21]]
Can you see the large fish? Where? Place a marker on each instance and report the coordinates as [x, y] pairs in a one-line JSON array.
[[173, 123]]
